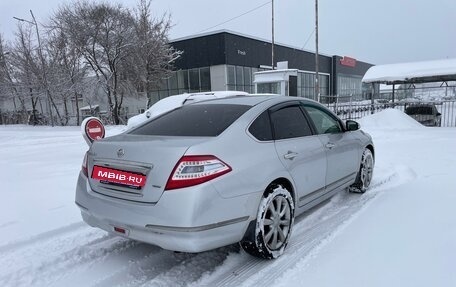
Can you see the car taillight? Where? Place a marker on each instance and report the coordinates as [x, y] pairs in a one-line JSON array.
[[194, 170], [84, 166]]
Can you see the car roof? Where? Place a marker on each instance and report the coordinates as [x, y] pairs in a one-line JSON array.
[[420, 104], [252, 100]]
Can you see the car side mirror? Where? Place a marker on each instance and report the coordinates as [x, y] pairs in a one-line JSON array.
[[352, 125], [438, 114]]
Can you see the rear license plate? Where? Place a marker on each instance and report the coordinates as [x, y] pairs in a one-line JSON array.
[[116, 176]]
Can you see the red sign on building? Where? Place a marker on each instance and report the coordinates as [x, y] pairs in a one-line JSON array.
[[347, 61]]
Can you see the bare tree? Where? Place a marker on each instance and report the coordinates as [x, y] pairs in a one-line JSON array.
[[103, 34], [25, 68], [8, 85], [153, 55], [123, 50], [67, 71]]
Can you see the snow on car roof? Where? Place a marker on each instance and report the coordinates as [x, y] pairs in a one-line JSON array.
[[172, 102], [426, 71]]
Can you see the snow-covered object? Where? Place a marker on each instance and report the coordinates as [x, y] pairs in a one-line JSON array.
[[389, 119], [407, 71], [172, 102]]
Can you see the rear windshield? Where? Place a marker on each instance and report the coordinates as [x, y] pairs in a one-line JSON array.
[[425, 110], [202, 120]]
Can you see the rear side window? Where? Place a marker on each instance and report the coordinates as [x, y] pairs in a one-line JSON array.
[[290, 122], [201, 120], [261, 127], [423, 110]]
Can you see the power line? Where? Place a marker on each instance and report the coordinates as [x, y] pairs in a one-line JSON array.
[[307, 41], [234, 18]]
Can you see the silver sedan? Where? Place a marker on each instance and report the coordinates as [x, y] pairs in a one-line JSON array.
[[218, 172]]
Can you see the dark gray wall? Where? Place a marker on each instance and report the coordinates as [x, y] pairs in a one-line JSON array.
[[231, 49], [201, 51]]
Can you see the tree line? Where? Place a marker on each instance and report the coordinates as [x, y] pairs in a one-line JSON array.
[[85, 44]]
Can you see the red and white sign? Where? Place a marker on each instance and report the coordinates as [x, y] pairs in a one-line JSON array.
[[111, 175], [92, 130], [347, 61]]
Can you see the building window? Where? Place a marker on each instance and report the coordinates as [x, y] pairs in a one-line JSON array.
[[173, 84], [205, 76], [193, 76], [306, 85], [324, 84], [183, 81], [248, 84], [349, 86], [230, 78], [268, 88], [182, 78], [239, 78]]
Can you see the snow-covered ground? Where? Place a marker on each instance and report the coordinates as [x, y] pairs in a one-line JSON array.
[[401, 232]]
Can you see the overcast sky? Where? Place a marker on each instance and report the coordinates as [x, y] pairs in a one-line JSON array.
[[379, 32]]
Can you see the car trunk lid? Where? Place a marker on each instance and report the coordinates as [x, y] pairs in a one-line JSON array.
[[135, 167]]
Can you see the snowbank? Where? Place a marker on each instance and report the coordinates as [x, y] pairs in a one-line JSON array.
[[389, 119]]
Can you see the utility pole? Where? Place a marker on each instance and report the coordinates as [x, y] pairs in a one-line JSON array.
[[317, 84], [272, 42], [40, 54]]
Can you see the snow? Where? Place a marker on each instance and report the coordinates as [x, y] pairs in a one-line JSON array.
[[389, 119], [160, 107], [401, 232], [405, 71], [169, 103]]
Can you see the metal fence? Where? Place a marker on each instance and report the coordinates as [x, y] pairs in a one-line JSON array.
[[346, 107], [445, 115]]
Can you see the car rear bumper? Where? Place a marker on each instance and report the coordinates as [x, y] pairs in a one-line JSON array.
[[189, 220]]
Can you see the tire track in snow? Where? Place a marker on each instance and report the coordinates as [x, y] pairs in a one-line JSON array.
[[311, 230], [32, 261], [192, 267], [82, 255], [43, 236], [144, 265]]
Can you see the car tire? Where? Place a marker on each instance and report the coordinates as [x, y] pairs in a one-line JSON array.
[[365, 173], [268, 235]]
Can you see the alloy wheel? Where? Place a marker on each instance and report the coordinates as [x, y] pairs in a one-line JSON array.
[[277, 223]]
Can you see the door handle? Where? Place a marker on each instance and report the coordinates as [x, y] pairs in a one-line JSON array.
[[290, 155], [330, 145]]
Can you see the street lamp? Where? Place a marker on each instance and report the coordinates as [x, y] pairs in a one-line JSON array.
[[317, 84], [272, 37], [40, 54]]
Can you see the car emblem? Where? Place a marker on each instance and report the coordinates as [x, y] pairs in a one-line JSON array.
[[120, 153]]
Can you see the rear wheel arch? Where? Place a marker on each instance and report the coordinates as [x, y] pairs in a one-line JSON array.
[[371, 148], [267, 236], [285, 183]]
